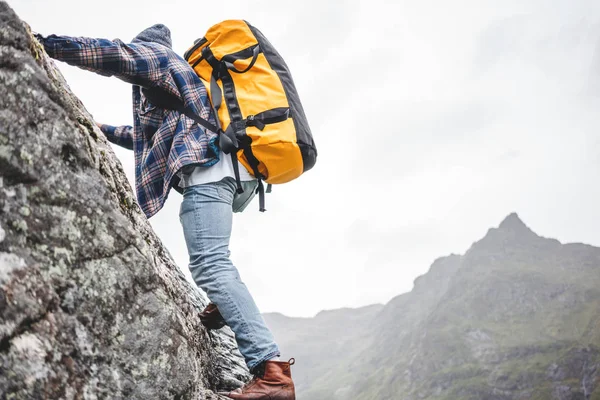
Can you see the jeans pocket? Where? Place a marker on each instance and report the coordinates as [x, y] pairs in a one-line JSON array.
[[241, 200], [186, 204]]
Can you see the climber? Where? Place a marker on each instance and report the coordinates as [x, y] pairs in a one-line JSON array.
[[171, 150]]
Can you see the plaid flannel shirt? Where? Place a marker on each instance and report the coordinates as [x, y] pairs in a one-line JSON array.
[[163, 141]]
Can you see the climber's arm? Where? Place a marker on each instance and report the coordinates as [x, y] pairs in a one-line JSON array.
[[119, 135], [137, 63]]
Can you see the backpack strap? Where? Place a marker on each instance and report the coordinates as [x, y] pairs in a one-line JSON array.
[[245, 143], [227, 140], [169, 101]]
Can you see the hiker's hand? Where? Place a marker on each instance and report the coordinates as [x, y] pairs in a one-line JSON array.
[[99, 125]]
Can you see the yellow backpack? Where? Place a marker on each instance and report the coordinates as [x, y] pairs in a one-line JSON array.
[[262, 122]]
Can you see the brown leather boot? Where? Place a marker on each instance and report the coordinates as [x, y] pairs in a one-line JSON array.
[[273, 383], [211, 318]]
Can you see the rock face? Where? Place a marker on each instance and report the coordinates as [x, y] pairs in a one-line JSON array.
[[91, 303], [516, 317]]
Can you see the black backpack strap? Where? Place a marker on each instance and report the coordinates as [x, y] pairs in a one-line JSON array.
[[169, 101], [261, 196], [236, 171], [245, 144], [227, 140]]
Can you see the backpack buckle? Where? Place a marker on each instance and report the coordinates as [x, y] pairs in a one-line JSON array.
[[252, 121]]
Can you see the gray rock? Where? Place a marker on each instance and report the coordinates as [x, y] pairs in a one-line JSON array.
[[91, 304]]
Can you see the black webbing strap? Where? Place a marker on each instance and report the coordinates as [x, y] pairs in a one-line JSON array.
[[192, 115], [228, 141], [216, 95], [168, 101], [236, 171], [261, 196], [245, 145], [272, 116]]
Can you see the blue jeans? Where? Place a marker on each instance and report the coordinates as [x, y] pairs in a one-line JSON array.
[[206, 216]]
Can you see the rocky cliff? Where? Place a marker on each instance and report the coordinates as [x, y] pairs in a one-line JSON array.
[[91, 303], [516, 317]]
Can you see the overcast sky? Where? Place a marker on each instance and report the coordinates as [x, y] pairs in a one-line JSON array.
[[433, 120]]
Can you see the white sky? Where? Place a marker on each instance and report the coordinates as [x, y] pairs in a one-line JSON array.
[[433, 120]]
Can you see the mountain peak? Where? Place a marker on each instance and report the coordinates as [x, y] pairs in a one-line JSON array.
[[513, 223], [511, 232]]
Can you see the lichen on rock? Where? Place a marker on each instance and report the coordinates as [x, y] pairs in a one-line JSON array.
[[91, 303]]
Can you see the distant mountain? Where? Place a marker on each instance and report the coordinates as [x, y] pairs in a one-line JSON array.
[[516, 317]]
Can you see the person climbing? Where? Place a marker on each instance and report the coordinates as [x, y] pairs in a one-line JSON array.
[[172, 150]]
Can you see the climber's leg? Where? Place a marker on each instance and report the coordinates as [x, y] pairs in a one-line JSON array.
[[206, 217]]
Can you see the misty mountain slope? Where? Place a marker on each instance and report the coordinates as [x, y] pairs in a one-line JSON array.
[[516, 317]]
